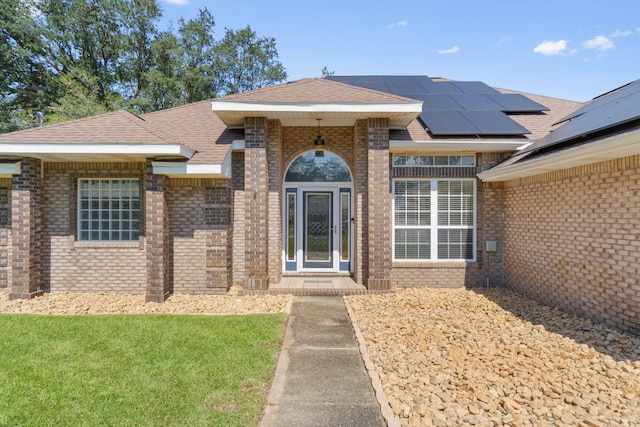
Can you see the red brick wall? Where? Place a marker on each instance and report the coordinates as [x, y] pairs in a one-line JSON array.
[[573, 240], [256, 179], [238, 248], [379, 217], [200, 235], [69, 265], [489, 226], [5, 229]]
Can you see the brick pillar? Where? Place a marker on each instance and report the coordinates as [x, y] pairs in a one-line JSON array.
[[256, 184], [361, 150], [379, 206], [157, 236], [274, 160], [5, 231], [26, 230], [219, 219]]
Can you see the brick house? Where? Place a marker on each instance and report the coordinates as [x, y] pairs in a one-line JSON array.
[[387, 180]]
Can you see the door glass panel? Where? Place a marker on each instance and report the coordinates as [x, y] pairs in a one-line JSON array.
[[345, 221], [291, 227], [318, 227]]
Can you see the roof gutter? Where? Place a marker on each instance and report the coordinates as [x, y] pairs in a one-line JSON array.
[[469, 146], [610, 148], [31, 149]]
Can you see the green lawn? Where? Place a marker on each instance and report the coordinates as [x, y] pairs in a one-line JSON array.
[[136, 370]]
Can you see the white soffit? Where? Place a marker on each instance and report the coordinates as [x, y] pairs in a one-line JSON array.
[[454, 146], [232, 113], [94, 152], [203, 170], [614, 147]]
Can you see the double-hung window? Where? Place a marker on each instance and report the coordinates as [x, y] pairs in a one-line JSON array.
[[434, 219], [108, 209]]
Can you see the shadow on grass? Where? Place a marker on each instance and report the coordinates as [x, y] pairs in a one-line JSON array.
[[604, 339]]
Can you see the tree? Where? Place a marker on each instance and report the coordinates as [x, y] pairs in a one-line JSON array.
[[326, 73], [197, 71], [74, 58], [245, 62]]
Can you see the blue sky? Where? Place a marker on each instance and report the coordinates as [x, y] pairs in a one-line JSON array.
[[563, 48]]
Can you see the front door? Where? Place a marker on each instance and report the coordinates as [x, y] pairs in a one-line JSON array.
[[318, 229]]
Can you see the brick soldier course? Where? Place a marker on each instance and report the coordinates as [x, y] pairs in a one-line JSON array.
[[212, 191]]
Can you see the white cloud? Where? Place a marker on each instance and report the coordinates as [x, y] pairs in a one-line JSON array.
[[177, 2], [599, 43], [619, 33], [451, 50], [549, 47], [403, 23]]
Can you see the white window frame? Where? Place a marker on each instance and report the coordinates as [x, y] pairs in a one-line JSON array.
[[134, 234], [434, 227], [434, 165]]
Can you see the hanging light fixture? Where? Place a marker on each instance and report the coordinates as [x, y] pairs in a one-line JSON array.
[[319, 142]]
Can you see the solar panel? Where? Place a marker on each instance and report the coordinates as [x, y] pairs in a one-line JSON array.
[[445, 88], [613, 109], [474, 87], [454, 108], [448, 123], [494, 123], [438, 103], [517, 103], [476, 102], [367, 82]]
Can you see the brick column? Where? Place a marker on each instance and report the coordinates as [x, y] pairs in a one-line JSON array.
[[256, 184], [274, 160], [26, 229], [361, 150], [157, 236], [379, 206]]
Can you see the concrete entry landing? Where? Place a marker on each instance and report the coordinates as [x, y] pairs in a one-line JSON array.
[[315, 285], [320, 379]]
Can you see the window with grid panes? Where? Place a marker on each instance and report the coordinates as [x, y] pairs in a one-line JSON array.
[[108, 209], [434, 219]]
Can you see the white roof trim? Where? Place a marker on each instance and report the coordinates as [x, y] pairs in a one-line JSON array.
[[319, 107], [202, 170], [613, 147], [7, 170], [453, 146], [27, 149]]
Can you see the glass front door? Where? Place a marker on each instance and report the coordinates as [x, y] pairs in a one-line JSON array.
[[318, 229]]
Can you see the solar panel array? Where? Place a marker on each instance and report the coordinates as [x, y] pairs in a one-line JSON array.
[[615, 108], [454, 108]]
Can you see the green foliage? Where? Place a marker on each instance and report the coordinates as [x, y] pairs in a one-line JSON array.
[[326, 73], [151, 370], [246, 62], [74, 58]]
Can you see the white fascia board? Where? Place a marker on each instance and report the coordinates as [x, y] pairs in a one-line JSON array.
[[203, 170], [468, 146], [150, 149], [404, 107], [592, 152], [7, 170]]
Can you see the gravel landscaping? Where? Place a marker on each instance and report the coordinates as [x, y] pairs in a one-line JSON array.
[[491, 357], [65, 303]]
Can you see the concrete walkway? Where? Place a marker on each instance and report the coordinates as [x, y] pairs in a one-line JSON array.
[[320, 379]]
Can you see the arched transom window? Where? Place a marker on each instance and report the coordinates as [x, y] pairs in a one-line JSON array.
[[318, 166]]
